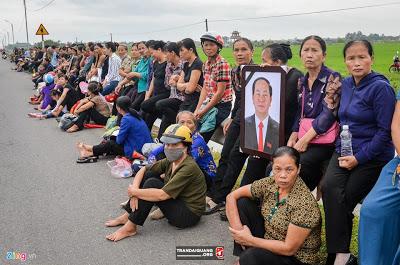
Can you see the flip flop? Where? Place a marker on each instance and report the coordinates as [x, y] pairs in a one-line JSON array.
[[89, 159]]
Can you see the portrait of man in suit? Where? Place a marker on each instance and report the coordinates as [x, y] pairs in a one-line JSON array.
[[261, 131]]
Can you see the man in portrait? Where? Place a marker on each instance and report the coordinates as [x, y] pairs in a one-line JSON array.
[[261, 131]]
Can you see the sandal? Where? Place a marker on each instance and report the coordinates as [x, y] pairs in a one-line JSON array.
[[88, 159]]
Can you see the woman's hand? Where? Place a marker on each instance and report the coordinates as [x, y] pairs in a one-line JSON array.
[[117, 89], [332, 92], [243, 236], [198, 114], [265, 65], [131, 190], [226, 126], [301, 145], [292, 139], [134, 203], [348, 162]]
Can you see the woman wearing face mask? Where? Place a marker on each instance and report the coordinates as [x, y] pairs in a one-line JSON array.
[[367, 104], [180, 194], [217, 91], [286, 229], [312, 106], [199, 150]]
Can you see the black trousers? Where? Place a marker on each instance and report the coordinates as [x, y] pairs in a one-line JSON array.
[[250, 215], [150, 112], [137, 99], [224, 109], [124, 92], [168, 108], [91, 114], [230, 138], [313, 164], [175, 210], [342, 190], [231, 164], [109, 147]]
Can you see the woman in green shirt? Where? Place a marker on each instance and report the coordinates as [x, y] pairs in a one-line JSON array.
[[180, 194]]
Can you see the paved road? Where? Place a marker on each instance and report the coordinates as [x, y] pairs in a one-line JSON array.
[[54, 209]]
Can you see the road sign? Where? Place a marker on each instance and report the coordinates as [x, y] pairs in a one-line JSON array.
[[42, 30]]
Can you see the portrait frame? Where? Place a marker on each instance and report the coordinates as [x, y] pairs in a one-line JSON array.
[[274, 135]]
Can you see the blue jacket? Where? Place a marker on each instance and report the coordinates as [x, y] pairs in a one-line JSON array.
[[133, 134], [368, 110], [200, 153]]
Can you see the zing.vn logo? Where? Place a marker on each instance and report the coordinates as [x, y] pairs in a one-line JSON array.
[[22, 256]]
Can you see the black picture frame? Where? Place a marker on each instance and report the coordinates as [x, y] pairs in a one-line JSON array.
[[248, 133]]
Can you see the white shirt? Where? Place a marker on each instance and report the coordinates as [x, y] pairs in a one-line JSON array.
[[264, 129], [114, 64]]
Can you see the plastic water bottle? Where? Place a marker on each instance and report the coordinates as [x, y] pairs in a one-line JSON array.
[[345, 140]]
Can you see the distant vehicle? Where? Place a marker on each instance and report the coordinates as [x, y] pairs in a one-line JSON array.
[[395, 67]]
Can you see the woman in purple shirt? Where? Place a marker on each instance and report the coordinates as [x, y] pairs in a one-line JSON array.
[[367, 104], [313, 88]]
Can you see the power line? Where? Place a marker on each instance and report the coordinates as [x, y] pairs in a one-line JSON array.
[[46, 5], [172, 28], [305, 13]]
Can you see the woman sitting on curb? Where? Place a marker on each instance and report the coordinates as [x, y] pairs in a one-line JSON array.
[[94, 107], [180, 194], [287, 228], [133, 134]]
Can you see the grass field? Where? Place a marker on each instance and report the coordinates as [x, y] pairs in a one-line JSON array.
[[384, 53]]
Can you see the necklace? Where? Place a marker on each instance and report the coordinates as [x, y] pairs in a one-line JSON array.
[[275, 208]]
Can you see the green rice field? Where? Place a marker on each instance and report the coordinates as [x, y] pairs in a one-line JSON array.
[[384, 52]]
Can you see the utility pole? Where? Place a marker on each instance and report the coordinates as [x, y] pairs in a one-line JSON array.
[[111, 37], [206, 25], [26, 24]]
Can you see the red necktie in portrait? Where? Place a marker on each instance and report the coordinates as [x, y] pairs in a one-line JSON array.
[[260, 137]]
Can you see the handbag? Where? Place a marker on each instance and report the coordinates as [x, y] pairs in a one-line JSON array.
[[306, 123]]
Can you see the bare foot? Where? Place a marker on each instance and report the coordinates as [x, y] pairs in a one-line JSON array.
[[74, 128], [121, 220], [129, 229], [86, 147], [83, 152]]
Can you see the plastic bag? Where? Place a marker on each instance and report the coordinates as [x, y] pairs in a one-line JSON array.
[[149, 147], [66, 121], [120, 167]]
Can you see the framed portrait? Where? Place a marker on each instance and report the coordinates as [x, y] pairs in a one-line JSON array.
[[263, 104]]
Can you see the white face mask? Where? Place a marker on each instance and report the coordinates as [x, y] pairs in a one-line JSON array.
[[173, 154]]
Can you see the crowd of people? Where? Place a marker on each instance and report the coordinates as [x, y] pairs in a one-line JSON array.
[[273, 216]]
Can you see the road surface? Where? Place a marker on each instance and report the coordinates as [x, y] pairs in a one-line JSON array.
[[54, 210]]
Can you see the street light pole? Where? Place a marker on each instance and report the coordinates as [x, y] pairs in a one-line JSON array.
[[12, 29], [26, 24]]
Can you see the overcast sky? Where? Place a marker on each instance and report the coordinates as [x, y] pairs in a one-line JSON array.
[[131, 20]]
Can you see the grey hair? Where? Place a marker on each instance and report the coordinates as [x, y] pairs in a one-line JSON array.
[[188, 113]]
